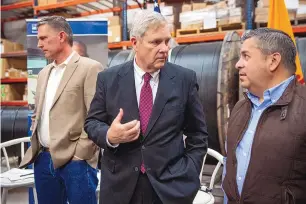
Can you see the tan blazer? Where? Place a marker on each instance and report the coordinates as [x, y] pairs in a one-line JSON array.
[[68, 112]]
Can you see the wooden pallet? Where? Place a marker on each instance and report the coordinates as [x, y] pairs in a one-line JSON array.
[[197, 31]]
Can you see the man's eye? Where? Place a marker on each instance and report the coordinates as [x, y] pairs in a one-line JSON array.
[[245, 56], [156, 42]]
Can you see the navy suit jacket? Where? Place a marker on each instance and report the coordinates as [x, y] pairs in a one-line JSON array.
[[172, 168]]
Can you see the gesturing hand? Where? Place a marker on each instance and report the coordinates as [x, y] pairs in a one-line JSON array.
[[123, 133]]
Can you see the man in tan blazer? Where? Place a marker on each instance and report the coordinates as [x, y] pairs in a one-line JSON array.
[[65, 160]]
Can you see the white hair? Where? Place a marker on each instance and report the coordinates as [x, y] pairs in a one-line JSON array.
[[145, 19]]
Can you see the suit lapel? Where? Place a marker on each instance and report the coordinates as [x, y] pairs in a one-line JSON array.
[[42, 92], [165, 87], [127, 93], [70, 68]]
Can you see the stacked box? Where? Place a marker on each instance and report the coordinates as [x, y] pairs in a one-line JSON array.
[[262, 12], [114, 29], [12, 92]]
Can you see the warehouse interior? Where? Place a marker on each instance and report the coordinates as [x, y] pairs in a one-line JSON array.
[[205, 38]]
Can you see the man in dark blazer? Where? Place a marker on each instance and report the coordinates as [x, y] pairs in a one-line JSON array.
[[139, 114]]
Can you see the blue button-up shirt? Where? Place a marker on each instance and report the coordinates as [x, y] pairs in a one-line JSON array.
[[243, 151]]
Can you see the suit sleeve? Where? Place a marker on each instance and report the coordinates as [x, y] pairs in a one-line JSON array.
[[96, 122], [33, 116], [195, 127]]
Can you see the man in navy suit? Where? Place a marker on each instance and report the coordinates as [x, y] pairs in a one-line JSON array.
[[139, 114]]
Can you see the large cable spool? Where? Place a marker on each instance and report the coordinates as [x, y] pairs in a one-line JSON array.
[[214, 64], [14, 124], [301, 47], [111, 55], [116, 57]]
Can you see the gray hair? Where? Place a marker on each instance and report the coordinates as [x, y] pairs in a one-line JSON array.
[[58, 23], [145, 19], [270, 41]]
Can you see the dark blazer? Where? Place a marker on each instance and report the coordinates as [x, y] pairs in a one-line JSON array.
[[172, 169]]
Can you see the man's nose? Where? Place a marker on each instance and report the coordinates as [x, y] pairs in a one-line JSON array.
[[164, 47], [239, 64], [39, 45]]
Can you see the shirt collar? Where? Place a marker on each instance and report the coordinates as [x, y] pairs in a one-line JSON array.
[[63, 64], [141, 73], [272, 94]]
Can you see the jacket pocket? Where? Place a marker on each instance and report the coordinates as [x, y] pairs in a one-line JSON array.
[[75, 134], [287, 196], [109, 164]]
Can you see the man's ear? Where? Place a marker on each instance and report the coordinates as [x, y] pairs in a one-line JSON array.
[[63, 36], [275, 60], [134, 42]]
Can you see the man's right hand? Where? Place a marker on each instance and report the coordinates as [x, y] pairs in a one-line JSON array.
[[123, 133]]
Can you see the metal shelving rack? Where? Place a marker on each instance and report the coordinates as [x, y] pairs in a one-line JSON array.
[[82, 8]]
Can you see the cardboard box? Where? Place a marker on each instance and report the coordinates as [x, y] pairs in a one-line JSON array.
[[6, 46], [186, 7], [263, 3], [169, 19], [8, 63], [235, 12], [17, 63], [50, 2], [42, 2], [222, 13], [223, 21], [3, 68], [220, 5], [12, 92], [114, 33], [234, 19], [113, 20], [197, 6], [17, 73], [263, 18], [166, 10], [261, 11], [18, 47], [192, 25], [301, 16]]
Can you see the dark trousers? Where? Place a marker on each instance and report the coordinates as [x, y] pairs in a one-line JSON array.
[[144, 192], [75, 182]]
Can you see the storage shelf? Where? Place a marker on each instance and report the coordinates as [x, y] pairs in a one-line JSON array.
[[63, 4], [82, 8], [14, 103], [299, 29], [180, 40], [115, 9], [203, 38], [21, 54], [13, 80], [16, 6], [200, 38]]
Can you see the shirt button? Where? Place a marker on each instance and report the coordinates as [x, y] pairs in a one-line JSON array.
[[136, 168], [244, 154], [239, 178], [143, 147]]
